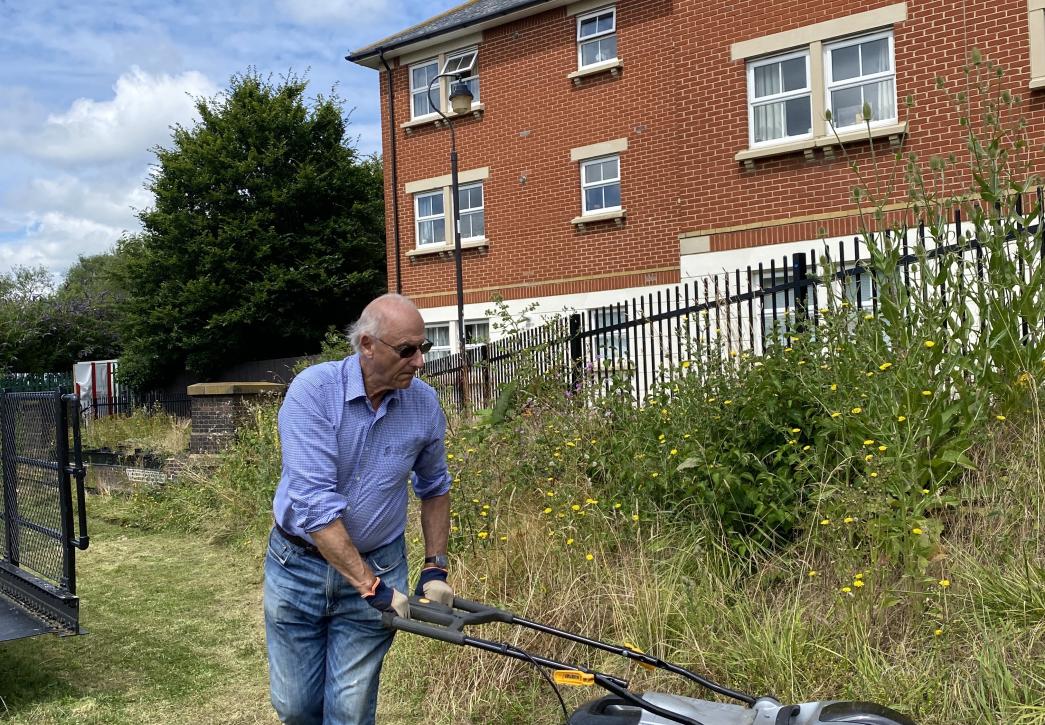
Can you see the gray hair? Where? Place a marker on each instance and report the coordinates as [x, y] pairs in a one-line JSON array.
[[373, 318]]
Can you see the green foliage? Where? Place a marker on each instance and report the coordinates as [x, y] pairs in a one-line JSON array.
[[267, 230], [335, 346]]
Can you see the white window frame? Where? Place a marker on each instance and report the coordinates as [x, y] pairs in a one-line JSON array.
[[438, 351], [582, 41], [753, 102], [829, 85], [474, 323], [473, 210], [585, 211], [419, 220], [414, 92], [441, 88]]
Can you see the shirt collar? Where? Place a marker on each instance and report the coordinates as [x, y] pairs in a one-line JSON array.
[[354, 388]]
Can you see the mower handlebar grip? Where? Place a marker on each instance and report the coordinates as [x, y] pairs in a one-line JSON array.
[[423, 628], [482, 613]]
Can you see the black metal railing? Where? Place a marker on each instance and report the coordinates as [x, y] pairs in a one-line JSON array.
[[126, 402], [650, 338]]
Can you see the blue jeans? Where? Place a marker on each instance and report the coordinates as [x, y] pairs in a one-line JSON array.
[[325, 643]]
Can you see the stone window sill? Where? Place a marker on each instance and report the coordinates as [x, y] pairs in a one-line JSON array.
[[894, 132], [617, 216], [447, 250], [434, 119], [613, 67], [1037, 83]]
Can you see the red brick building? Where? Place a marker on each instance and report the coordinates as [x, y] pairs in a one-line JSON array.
[[615, 147]]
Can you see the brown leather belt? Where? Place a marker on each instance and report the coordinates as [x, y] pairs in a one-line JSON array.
[[306, 546]]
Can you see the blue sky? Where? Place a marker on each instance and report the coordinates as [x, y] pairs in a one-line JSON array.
[[87, 88]]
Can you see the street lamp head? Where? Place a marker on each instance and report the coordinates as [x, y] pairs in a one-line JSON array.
[[460, 97]]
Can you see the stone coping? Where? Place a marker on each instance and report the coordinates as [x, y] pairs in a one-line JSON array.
[[235, 388]]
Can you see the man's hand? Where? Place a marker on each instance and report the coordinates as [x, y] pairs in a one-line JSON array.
[[384, 598], [432, 585]]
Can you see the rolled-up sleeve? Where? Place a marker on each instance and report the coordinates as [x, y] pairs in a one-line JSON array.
[[310, 457], [431, 475]]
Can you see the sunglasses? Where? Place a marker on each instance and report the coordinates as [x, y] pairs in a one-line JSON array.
[[408, 351]]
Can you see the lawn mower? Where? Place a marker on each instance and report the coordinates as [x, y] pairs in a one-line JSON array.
[[622, 706]]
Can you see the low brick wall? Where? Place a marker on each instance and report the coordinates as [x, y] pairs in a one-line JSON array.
[[218, 409]]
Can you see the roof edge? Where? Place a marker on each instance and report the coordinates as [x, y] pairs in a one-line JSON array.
[[370, 56]]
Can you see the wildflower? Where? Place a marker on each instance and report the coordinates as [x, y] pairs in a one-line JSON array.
[[483, 513], [550, 494], [858, 583], [548, 510], [801, 362], [857, 411], [589, 557], [848, 520], [1000, 417], [455, 529], [732, 353], [571, 444], [727, 402], [825, 522], [486, 506], [916, 531], [788, 349], [616, 505], [836, 414], [796, 430], [482, 534], [806, 448], [660, 437], [868, 316], [870, 373], [873, 474], [944, 583], [792, 442], [575, 507], [883, 449], [925, 491], [685, 363], [885, 366], [869, 442], [569, 542], [869, 457], [687, 435], [475, 500], [654, 474], [674, 451], [901, 418], [593, 441], [937, 632], [929, 343], [927, 393], [813, 572], [846, 590], [634, 517], [504, 538], [449, 456], [834, 387]]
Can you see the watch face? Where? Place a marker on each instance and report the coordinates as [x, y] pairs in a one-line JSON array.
[[439, 560]]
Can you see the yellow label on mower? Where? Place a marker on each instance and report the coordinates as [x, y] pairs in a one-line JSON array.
[[573, 677]]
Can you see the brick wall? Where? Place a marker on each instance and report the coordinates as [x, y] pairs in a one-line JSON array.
[[681, 104], [218, 409]]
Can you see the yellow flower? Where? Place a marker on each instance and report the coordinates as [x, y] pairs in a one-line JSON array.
[[883, 449], [591, 501], [727, 402], [944, 583], [634, 517], [873, 474], [569, 542], [869, 457], [868, 316], [870, 373], [788, 349], [848, 520], [792, 442], [858, 575], [576, 507], [846, 590], [616, 505], [475, 500], [654, 474], [901, 418], [825, 522], [449, 456], [834, 386], [483, 513], [504, 538], [685, 363], [869, 442], [550, 494], [486, 506], [857, 411], [482, 534], [836, 414], [813, 572], [796, 430], [1000, 417], [937, 632], [885, 366], [925, 491], [589, 557], [858, 583], [547, 510], [916, 531], [927, 393], [806, 448], [674, 451], [571, 444], [929, 343]]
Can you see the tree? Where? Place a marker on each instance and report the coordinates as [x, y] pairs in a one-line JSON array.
[[267, 229]]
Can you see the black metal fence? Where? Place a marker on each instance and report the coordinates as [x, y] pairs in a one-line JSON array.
[[649, 339], [41, 523], [126, 402], [32, 382]]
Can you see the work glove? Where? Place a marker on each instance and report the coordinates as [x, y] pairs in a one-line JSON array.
[[432, 585], [384, 598]]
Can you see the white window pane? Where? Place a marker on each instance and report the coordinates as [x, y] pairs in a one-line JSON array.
[[472, 225], [875, 56], [845, 62], [847, 106], [605, 23], [767, 80], [593, 200], [768, 121], [422, 106], [882, 99], [589, 26], [592, 173], [438, 334], [596, 51], [794, 74], [799, 116], [611, 195]]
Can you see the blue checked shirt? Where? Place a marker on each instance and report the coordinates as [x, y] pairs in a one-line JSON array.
[[342, 459]]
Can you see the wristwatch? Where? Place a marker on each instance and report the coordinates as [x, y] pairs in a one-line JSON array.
[[439, 560]]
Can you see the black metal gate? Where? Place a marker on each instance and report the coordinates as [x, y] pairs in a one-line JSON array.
[[41, 525]]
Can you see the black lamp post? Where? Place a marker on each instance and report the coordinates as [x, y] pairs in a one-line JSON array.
[[460, 102]]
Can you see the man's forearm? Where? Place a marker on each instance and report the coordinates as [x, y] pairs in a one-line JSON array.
[[337, 548], [435, 523]]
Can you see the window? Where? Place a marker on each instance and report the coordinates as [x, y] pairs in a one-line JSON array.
[[431, 219], [596, 37], [859, 71], [420, 76], [476, 333], [600, 184], [779, 98], [470, 202], [440, 337], [462, 63], [611, 345]]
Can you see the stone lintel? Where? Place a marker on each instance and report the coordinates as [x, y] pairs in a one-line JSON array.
[[235, 388]]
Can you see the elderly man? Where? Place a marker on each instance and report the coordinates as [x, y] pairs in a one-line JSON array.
[[352, 432]]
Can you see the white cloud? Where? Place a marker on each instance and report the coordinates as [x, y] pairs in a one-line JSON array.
[[55, 240], [357, 12], [139, 116]]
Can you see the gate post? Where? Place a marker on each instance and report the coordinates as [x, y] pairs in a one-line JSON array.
[[576, 351], [801, 281], [10, 479]]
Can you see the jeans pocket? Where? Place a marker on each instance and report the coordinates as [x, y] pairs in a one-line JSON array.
[[386, 558], [280, 551]]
